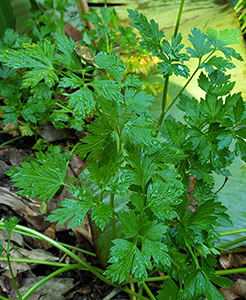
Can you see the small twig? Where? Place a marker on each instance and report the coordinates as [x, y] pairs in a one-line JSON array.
[[226, 178]]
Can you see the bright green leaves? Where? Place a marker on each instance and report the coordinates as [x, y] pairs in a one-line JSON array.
[[162, 197], [112, 64], [212, 122], [169, 291], [199, 285], [77, 209], [171, 56], [82, 103], [200, 43], [126, 257], [38, 57], [211, 41], [66, 54], [42, 177], [150, 32], [221, 40]]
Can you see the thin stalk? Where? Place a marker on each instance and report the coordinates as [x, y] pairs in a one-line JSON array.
[[10, 141], [150, 279], [128, 291], [3, 298], [230, 271], [34, 261], [64, 108], [65, 250], [113, 224], [165, 89], [10, 268], [183, 88], [71, 178], [12, 277], [164, 101], [193, 256], [148, 291], [232, 243], [38, 284], [233, 232], [179, 17], [78, 249]]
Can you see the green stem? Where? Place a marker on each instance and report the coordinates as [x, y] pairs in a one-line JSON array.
[[148, 291], [12, 276], [71, 178], [10, 267], [179, 17], [130, 292], [230, 271], [10, 141], [149, 279], [65, 250], [183, 88], [34, 261], [165, 89], [232, 243], [38, 284], [164, 101], [193, 256], [113, 224], [64, 108], [233, 232]]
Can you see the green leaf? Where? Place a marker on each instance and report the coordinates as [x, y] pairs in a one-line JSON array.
[[222, 39], [126, 258], [241, 132], [10, 224], [239, 112], [157, 250], [177, 132], [138, 130], [161, 199], [77, 209], [106, 167], [41, 177], [137, 102], [72, 80], [201, 44], [82, 103], [129, 223], [217, 63], [217, 83], [240, 148], [112, 64], [142, 167], [225, 139], [99, 137], [169, 291], [39, 58], [172, 58], [149, 30], [67, 55]]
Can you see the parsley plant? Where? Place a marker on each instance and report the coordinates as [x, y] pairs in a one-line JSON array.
[[134, 187]]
